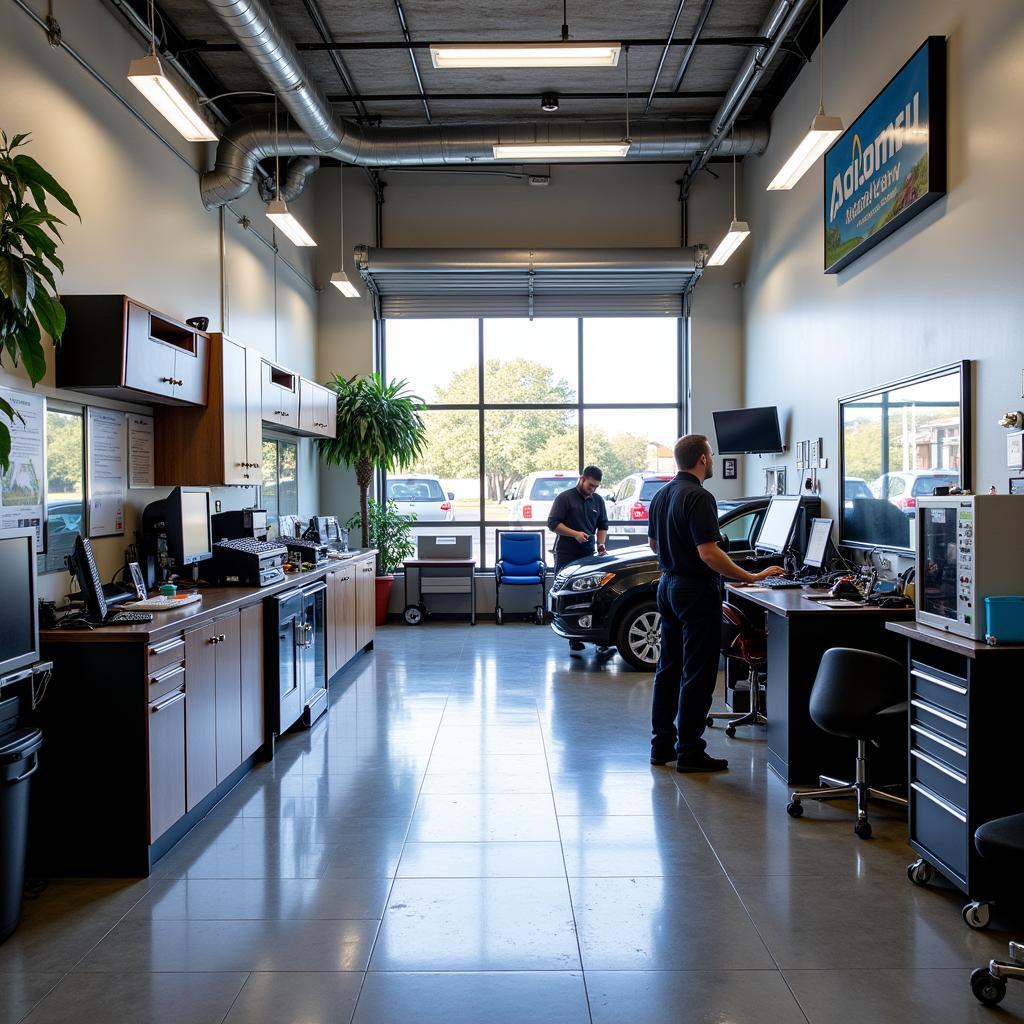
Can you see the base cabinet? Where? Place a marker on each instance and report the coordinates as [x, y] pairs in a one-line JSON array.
[[341, 618], [366, 601], [252, 704], [166, 762]]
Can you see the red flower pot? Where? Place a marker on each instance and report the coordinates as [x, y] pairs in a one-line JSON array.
[[384, 584]]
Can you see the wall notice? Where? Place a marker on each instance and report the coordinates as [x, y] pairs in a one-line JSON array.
[[105, 440], [141, 471], [21, 487]]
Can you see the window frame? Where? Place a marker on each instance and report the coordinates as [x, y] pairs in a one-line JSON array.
[[580, 407], [278, 440], [68, 409]]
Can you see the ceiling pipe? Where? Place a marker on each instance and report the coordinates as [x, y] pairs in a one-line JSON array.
[[695, 39], [664, 54], [317, 133], [293, 181]]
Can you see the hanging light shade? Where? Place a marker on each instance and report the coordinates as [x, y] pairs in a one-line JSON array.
[[340, 281], [147, 75], [281, 217], [738, 230]]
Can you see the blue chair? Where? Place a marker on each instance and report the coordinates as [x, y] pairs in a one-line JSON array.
[[520, 563]]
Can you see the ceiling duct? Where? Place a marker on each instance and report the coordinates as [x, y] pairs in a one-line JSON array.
[[253, 24]]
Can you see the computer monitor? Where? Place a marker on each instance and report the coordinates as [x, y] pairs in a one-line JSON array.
[[817, 543], [777, 527], [187, 519], [19, 624], [83, 564]]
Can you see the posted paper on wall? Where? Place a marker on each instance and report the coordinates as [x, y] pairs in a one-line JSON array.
[[141, 470], [21, 487], [105, 434]]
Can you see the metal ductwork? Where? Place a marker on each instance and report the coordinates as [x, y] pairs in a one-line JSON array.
[[293, 181], [256, 29]]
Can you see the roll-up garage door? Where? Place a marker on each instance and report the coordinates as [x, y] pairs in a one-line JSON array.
[[529, 283]]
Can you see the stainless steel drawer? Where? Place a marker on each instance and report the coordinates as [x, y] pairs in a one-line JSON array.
[[945, 723], [940, 688], [940, 828], [940, 778]]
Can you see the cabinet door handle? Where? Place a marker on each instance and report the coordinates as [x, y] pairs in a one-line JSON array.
[[221, 637], [213, 640], [166, 380], [939, 802], [167, 645], [166, 674], [939, 766], [962, 690], [932, 710], [154, 708]]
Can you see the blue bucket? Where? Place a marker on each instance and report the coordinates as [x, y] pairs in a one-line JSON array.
[[1004, 620]]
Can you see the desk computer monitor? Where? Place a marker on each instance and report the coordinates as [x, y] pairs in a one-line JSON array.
[[777, 528], [817, 543], [187, 518], [19, 624]]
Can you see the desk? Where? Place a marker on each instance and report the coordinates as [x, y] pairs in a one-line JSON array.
[[966, 706], [799, 633], [434, 567]]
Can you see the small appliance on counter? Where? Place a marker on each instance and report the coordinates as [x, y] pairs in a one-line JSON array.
[[243, 522], [325, 530], [248, 562], [306, 550]]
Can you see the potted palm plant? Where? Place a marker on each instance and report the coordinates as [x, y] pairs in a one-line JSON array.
[[379, 426], [29, 234]]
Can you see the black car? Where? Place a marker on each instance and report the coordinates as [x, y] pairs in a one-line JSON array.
[[610, 599]]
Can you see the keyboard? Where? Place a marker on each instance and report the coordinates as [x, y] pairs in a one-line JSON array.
[[163, 604], [127, 618], [780, 583]]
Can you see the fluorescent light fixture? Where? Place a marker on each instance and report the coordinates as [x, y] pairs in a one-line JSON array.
[[563, 151], [738, 230], [340, 281], [824, 131], [525, 55], [148, 77], [279, 215]]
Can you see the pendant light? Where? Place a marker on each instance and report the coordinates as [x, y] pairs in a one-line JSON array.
[[147, 75], [339, 278], [738, 230], [277, 209], [823, 132]]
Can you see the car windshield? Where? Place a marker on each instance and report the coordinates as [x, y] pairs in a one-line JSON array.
[[650, 488], [415, 490], [547, 488], [926, 484]]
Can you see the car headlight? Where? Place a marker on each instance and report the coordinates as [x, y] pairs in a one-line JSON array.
[[592, 581]]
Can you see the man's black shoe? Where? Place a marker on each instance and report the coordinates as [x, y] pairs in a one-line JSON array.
[[702, 762], [576, 645], [660, 759]]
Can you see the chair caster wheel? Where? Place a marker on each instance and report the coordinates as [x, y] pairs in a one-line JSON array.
[[499, 618], [413, 615], [987, 989], [862, 829], [977, 915], [920, 872], [730, 730], [795, 809]]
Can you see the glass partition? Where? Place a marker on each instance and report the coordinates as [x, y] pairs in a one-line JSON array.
[[899, 442]]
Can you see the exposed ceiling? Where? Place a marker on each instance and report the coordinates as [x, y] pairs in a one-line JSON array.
[[377, 83]]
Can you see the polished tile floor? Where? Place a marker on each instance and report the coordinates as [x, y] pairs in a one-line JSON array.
[[474, 834]]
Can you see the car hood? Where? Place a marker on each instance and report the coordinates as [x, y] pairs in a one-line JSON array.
[[617, 561]]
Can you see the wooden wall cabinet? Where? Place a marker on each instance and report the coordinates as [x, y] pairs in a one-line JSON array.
[[280, 397], [221, 443], [318, 409], [119, 348]]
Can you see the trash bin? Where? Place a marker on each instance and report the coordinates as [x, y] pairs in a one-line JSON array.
[[19, 758]]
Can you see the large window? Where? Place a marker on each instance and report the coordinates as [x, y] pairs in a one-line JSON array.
[[515, 408], [65, 491], [280, 479]]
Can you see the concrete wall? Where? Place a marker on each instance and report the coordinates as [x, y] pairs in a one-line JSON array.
[[144, 230], [942, 288]]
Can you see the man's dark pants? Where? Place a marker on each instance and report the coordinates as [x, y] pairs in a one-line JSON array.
[[684, 684]]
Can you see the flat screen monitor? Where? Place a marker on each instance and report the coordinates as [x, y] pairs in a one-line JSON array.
[[898, 442], [777, 528], [817, 543], [19, 623], [187, 518], [748, 431]]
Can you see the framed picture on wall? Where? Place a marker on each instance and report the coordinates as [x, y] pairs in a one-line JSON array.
[[775, 480], [1017, 484], [1015, 450], [729, 469]]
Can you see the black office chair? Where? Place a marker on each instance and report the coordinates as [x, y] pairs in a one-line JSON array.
[[1001, 844], [862, 696], [744, 642]]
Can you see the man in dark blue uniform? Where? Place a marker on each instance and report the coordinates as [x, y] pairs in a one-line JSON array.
[[683, 532], [579, 520]]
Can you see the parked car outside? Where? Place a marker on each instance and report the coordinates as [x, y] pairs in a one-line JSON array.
[[855, 487], [422, 496], [903, 489], [533, 497], [631, 500], [609, 600]]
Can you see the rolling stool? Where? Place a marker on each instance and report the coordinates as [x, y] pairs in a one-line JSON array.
[[1001, 843], [856, 694], [743, 642]]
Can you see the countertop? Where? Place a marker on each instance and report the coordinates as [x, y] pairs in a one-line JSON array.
[[789, 602], [216, 601], [951, 641]]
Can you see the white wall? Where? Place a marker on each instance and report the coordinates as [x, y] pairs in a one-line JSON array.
[[144, 231], [945, 287]]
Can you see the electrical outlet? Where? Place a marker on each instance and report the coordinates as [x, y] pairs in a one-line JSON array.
[[217, 505]]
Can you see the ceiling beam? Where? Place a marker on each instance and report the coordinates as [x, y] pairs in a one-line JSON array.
[[441, 97]]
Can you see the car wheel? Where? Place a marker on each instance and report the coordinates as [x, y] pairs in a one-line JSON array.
[[638, 636]]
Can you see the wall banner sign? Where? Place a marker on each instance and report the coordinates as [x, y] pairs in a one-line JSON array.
[[890, 164]]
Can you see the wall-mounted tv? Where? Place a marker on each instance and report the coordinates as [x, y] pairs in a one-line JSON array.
[[897, 443], [748, 431]]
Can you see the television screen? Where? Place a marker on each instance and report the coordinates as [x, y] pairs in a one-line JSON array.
[[19, 634], [748, 431]]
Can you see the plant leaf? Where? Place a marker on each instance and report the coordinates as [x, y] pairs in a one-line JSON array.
[[31, 349], [51, 314], [13, 279], [5, 448], [31, 171]]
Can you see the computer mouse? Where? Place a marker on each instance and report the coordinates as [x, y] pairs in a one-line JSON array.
[[846, 589]]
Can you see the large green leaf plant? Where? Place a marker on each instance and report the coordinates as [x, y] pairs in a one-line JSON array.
[[29, 236], [379, 426]]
